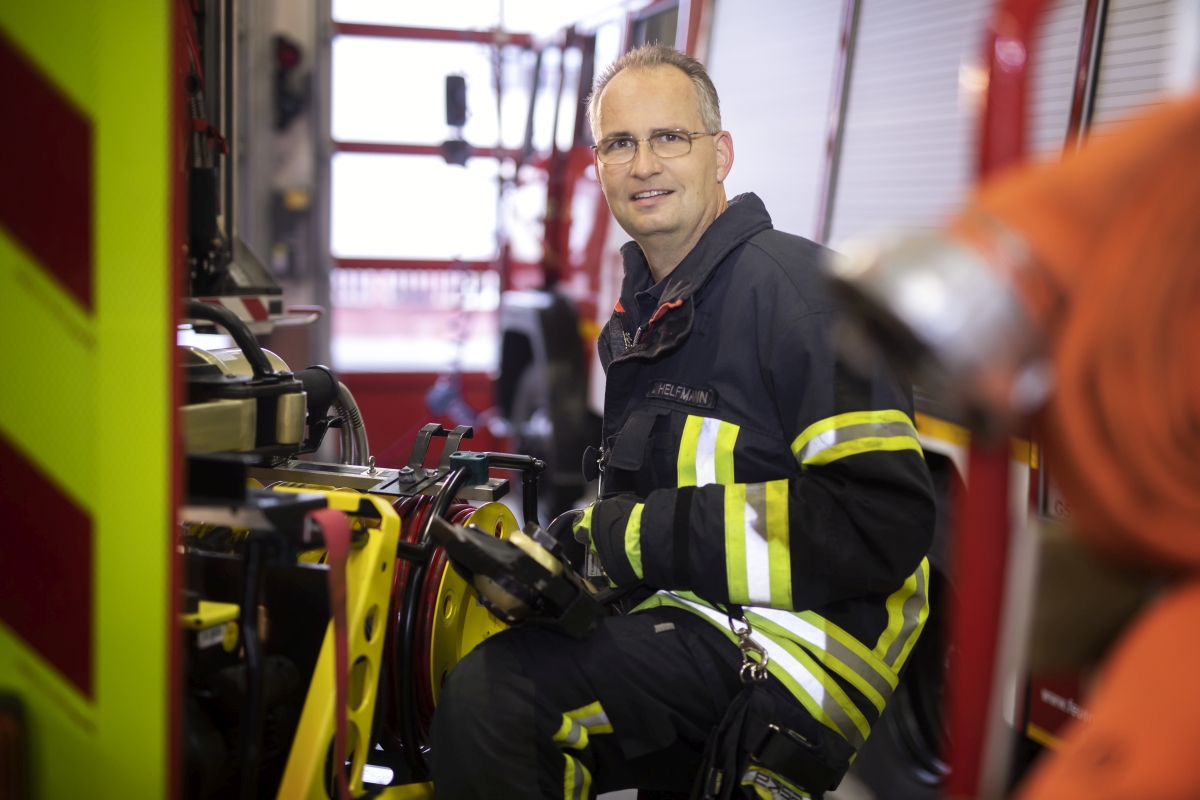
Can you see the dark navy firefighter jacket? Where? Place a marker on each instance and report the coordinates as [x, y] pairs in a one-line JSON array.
[[744, 463]]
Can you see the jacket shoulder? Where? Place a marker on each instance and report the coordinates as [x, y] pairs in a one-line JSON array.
[[791, 261]]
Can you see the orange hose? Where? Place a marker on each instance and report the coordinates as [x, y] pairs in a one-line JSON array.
[[1114, 284]]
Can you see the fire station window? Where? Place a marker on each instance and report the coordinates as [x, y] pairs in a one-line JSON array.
[[413, 208], [394, 90]]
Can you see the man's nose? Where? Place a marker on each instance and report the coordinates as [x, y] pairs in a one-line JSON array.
[[645, 162]]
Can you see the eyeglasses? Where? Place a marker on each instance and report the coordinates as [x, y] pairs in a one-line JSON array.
[[664, 144]]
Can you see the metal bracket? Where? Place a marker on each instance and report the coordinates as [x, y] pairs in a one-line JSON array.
[[453, 440], [416, 460]]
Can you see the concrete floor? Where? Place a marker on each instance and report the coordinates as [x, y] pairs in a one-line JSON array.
[[851, 789]]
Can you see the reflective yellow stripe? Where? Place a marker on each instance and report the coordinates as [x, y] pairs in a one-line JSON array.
[[855, 432], [723, 458], [835, 702], [735, 543], [758, 560], [571, 734], [585, 521], [915, 612], [779, 544], [857, 648], [804, 678], [686, 464], [577, 781], [706, 452], [829, 652], [907, 609], [633, 539], [592, 717]]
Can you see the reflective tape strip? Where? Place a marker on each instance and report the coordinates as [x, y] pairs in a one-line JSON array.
[[591, 717], [779, 545], [633, 539], [908, 608], [686, 462], [856, 665], [723, 458], [577, 781], [571, 734], [754, 531], [757, 549], [585, 521], [769, 786], [837, 640], [706, 452], [855, 432], [735, 543], [803, 677]]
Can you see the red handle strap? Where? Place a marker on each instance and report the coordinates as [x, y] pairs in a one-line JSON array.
[[335, 528]]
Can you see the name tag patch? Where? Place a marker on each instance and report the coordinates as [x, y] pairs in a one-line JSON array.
[[687, 395]]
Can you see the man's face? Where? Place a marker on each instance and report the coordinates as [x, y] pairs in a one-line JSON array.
[[652, 196]]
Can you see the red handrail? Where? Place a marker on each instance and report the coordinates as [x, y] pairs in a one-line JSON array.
[[981, 560]]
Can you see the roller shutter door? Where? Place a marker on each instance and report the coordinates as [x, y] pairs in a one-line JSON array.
[[1144, 44], [772, 63], [1054, 54], [906, 158]]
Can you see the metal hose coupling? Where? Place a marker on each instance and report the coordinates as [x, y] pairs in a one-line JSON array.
[[947, 314]]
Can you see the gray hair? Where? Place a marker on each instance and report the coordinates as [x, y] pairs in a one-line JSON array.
[[657, 55]]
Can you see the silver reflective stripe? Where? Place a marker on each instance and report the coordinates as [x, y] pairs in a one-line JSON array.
[[573, 736], [912, 615], [706, 451], [594, 721], [758, 563], [783, 660], [817, 639], [577, 780], [865, 430]]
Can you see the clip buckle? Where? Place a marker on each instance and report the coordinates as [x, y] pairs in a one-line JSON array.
[[751, 671]]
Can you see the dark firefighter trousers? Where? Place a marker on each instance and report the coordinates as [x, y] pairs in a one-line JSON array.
[[531, 713]]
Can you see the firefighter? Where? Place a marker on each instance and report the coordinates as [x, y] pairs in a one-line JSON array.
[[770, 503]]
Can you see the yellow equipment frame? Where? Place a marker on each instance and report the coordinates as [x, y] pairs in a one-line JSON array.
[[368, 592]]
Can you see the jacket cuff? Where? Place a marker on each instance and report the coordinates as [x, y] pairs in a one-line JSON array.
[[616, 535]]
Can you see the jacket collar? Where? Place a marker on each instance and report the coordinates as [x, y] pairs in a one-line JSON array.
[[745, 217]]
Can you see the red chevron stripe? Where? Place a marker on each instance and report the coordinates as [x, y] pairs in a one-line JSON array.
[[46, 172], [255, 307], [46, 577]]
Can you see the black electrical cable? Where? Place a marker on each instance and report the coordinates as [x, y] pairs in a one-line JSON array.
[[238, 329], [413, 591], [250, 746]]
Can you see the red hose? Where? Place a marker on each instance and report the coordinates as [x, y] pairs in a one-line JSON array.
[[412, 511], [457, 514]]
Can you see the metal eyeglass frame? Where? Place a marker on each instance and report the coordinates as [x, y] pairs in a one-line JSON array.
[[649, 143]]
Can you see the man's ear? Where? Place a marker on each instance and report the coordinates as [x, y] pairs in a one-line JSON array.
[[724, 144]]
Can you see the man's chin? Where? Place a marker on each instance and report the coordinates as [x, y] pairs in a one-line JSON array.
[[647, 224]]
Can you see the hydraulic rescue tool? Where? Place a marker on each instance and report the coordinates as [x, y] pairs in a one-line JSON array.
[[524, 578]]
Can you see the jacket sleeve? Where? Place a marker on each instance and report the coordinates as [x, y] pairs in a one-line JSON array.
[[855, 517]]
